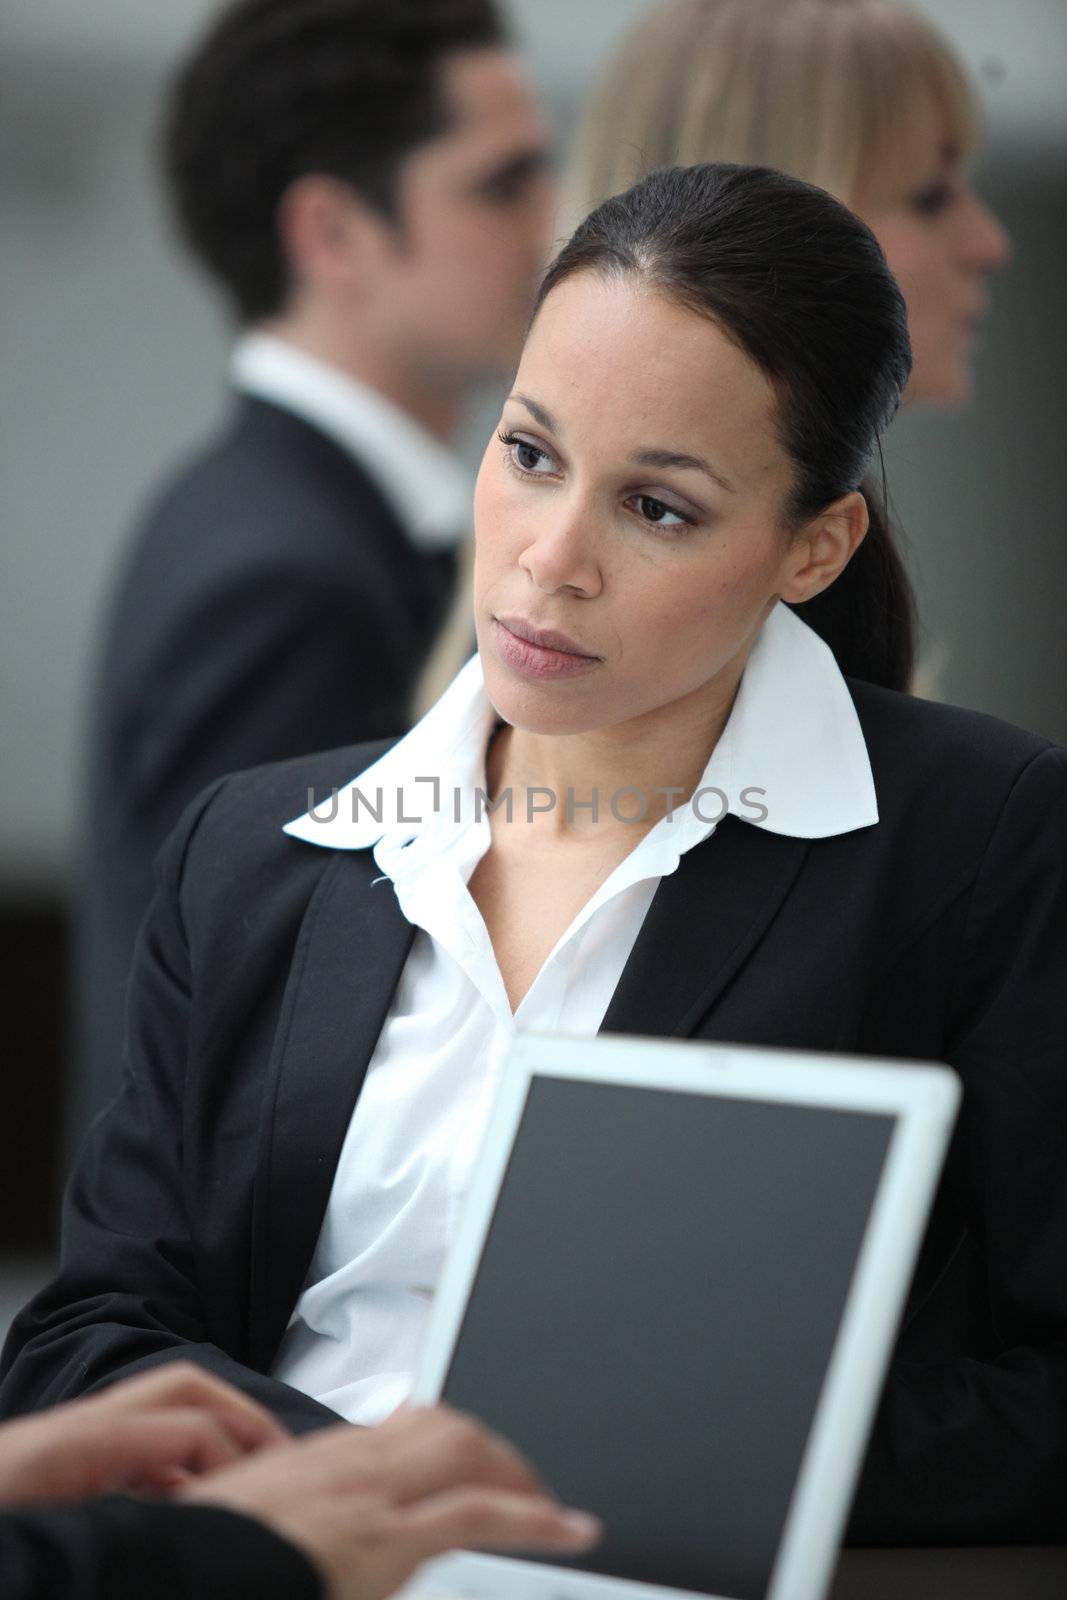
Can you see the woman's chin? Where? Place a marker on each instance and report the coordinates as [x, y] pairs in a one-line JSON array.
[[945, 388], [541, 708], [523, 713]]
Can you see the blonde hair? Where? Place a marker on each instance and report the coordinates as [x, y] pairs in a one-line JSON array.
[[847, 94]]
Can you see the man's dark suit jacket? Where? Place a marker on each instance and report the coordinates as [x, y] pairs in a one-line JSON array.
[[124, 1549], [265, 971], [272, 604]]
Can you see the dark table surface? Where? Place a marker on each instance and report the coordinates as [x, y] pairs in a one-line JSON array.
[[993, 1573]]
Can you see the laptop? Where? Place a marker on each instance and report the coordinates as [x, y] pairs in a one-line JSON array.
[[675, 1285]]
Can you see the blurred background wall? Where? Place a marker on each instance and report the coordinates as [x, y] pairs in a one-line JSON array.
[[113, 359]]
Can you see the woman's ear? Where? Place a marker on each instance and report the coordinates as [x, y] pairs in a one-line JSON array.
[[822, 549]]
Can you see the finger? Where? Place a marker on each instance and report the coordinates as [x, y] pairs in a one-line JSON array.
[[152, 1450], [433, 1449], [172, 1381], [103, 1454], [168, 1481], [181, 1383], [497, 1519]]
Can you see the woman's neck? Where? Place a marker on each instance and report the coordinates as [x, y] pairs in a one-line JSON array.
[[634, 772]]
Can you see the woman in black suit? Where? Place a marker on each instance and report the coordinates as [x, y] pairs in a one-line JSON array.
[[705, 821]]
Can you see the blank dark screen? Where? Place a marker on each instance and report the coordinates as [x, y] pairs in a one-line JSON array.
[[654, 1309]]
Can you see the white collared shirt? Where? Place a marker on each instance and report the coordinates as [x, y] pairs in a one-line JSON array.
[[425, 483], [791, 759]]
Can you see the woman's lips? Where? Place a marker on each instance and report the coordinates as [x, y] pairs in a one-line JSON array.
[[973, 319], [537, 660]]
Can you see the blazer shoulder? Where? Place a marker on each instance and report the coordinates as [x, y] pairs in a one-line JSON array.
[[948, 744], [234, 505], [229, 852], [258, 447], [268, 796]]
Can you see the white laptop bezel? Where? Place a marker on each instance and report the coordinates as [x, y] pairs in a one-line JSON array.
[[923, 1098]]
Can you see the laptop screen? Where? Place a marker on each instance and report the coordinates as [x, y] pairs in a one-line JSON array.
[[654, 1310]]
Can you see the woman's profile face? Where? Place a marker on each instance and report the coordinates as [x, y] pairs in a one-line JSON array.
[[941, 244], [632, 505]]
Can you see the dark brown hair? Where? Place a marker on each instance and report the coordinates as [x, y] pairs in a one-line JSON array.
[[801, 285], [279, 88]]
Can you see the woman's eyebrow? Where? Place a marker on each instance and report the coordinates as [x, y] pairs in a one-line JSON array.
[[538, 412], [640, 458], [675, 458]]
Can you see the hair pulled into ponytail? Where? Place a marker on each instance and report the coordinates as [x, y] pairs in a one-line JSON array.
[[801, 285]]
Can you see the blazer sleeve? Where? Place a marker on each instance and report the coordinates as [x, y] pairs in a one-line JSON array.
[[124, 1549], [127, 1296], [974, 1450]]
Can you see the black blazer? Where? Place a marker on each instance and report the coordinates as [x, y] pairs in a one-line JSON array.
[[123, 1549], [271, 605], [267, 965]]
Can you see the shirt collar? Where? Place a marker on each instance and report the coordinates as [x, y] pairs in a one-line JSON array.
[[792, 748], [794, 731], [425, 483]]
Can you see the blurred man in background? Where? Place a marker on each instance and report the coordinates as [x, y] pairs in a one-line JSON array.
[[367, 182]]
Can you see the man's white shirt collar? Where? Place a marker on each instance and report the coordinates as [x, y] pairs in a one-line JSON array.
[[425, 483], [792, 747]]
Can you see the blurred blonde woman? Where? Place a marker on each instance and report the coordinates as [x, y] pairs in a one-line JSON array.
[[862, 97]]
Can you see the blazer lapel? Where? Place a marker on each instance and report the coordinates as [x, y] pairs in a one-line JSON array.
[[705, 920], [345, 969]]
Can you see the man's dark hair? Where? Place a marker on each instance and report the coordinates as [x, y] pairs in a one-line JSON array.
[[279, 88]]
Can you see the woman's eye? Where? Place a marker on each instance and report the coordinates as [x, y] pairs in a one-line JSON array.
[[525, 456], [660, 515], [934, 199]]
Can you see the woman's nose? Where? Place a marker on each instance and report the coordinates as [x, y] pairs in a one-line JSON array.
[[562, 555], [986, 241]]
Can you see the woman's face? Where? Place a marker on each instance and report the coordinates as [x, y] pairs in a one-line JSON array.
[[941, 244], [634, 506]]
